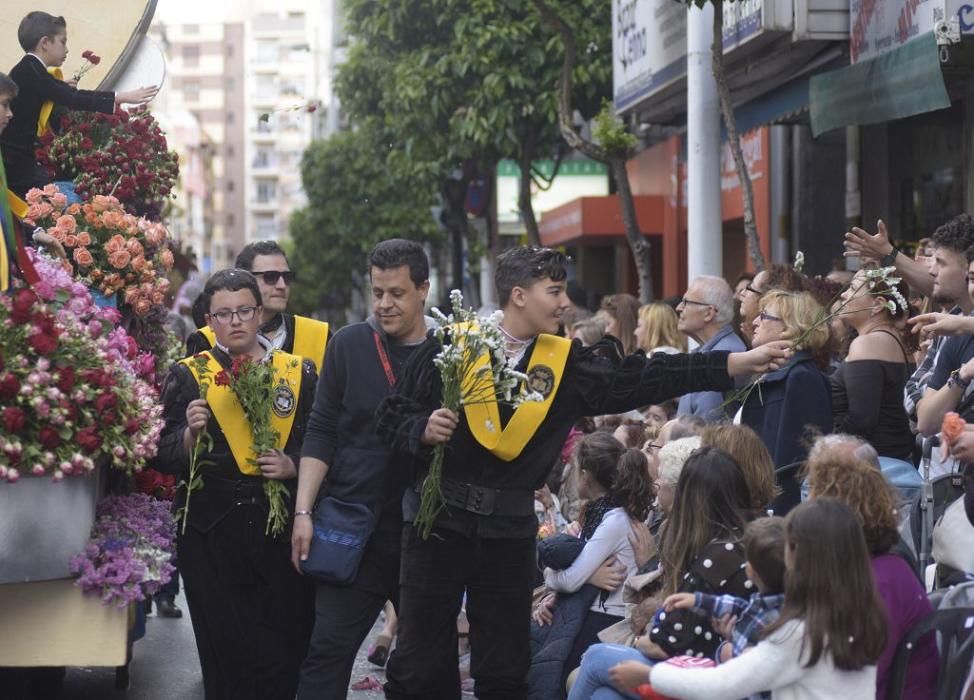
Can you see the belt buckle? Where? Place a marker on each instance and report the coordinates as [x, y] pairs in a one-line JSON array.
[[480, 500]]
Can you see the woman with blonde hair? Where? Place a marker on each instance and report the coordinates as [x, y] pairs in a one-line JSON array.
[[794, 401], [619, 312], [746, 446], [657, 330], [588, 331]]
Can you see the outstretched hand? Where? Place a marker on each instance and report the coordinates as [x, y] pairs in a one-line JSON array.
[[761, 359], [862, 244]]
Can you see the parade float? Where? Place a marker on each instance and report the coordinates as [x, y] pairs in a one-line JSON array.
[[83, 350]]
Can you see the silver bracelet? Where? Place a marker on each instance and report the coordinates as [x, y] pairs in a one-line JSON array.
[[303, 512]]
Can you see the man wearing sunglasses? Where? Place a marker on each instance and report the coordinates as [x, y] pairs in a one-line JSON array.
[[290, 333]]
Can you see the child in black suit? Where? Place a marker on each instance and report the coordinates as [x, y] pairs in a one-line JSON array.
[[44, 38]]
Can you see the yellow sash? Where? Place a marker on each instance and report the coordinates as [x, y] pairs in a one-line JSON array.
[[47, 107], [18, 207], [545, 370], [310, 339], [230, 415]]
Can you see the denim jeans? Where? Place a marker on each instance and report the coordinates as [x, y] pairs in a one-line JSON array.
[[593, 677]]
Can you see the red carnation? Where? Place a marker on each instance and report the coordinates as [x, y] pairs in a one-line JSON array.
[[222, 378], [14, 419], [132, 427], [48, 437], [9, 386], [88, 439], [43, 344]]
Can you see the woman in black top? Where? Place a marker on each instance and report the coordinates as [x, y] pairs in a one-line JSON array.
[[867, 387]]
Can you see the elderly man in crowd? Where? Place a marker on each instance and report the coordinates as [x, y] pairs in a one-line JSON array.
[[706, 312]]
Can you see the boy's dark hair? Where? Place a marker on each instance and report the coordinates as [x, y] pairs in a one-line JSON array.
[[956, 235], [8, 86], [525, 265], [199, 310], [245, 259], [969, 253], [37, 25], [397, 252], [232, 280], [764, 547]]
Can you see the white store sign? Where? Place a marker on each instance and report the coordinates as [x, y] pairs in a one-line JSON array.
[[879, 26]]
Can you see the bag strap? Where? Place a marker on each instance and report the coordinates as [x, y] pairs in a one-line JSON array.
[[384, 359]]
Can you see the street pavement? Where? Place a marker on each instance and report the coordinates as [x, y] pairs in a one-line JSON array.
[[165, 667]]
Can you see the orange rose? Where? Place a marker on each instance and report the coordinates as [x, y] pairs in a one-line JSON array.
[[115, 244], [59, 200], [167, 260], [100, 203], [143, 306], [70, 240], [138, 263], [112, 219], [131, 294], [95, 274], [134, 247], [34, 196], [119, 259], [952, 428], [158, 297], [34, 212], [50, 190], [67, 223], [83, 257], [73, 209], [84, 238], [58, 234]]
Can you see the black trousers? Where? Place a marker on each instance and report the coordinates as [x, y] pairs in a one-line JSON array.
[[343, 617], [251, 611], [498, 577]]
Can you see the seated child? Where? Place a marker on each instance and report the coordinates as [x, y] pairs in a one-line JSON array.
[[44, 39]]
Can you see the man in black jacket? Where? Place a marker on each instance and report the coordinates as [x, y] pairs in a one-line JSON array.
[[483, 540], [44, 38], [299, 335], [361, 368]]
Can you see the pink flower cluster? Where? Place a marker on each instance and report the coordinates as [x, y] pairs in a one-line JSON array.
[[129, 554]]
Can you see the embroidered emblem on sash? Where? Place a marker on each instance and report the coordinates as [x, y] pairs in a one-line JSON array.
[[541, 379], [284, 403]]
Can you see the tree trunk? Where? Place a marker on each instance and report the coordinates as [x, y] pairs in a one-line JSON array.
[[454, 193], [734, 139], [638, 243], [524, 194], [616, 162]]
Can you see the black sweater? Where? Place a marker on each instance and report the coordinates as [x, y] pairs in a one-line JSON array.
[[341, 432], [597, 380]]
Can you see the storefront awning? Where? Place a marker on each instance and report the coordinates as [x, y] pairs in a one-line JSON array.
[[903, 82], [586, 219], [781, 105]]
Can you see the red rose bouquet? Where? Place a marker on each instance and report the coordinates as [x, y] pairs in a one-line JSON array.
[[107, 248], [125, 154]]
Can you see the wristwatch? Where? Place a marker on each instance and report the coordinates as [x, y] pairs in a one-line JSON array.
[[955, 382], [888, 259]]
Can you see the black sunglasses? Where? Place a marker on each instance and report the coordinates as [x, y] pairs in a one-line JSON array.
[[272, 276]]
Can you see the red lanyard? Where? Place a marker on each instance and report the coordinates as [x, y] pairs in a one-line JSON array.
[[384, 359]]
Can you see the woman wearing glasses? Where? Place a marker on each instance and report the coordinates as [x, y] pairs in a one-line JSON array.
[[252, 613], [790, 402]]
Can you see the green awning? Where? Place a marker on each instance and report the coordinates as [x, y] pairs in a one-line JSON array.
[[897, 84]]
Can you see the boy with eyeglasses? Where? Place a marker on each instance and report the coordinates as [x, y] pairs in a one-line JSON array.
[[294, 334], [252, 613]]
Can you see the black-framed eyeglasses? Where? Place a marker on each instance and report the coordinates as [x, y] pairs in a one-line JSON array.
[[768, 317], [685, 301], [272, 276], [244, 313], [749, 288]]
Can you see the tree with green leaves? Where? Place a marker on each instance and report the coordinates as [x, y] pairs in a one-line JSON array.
[[614, 144], [355, 200]]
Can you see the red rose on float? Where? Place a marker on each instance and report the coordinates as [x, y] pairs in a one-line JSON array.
[[9, 386], [42, 343], [222, 378], [105, 402], [65, 380], [48, 437], [23, 301], [88, 439], [14, 419]]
